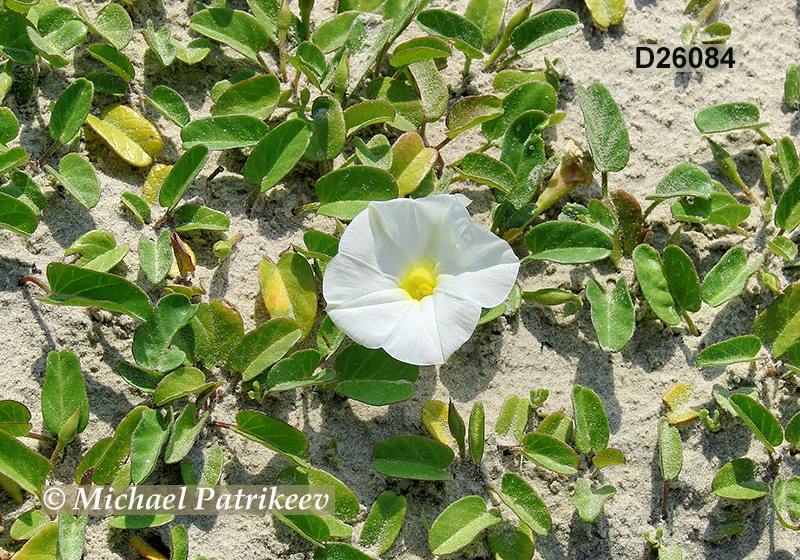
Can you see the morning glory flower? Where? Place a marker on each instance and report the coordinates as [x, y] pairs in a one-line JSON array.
[[412, 275]]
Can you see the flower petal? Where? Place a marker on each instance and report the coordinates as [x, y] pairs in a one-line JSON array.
[[432, 329], [371, 319], [348, 278]]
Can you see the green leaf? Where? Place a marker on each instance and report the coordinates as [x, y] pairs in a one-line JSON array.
[[289, 290], [194, 51], [155, 261], [12, 159], [516, 545], [181, 175], [558, 425], [69, 112], [736, 480], [409, 112], [113, 24], [224, 132], [184, 433], [791, 86], [347, 191], [457, 428], [651, 278], [471, 111], [277, 153], [78, 177], [261, 348], [792, 434], [670, 453], [367, 113], [91, 245], [329, 337], [700, 9], [506, 80], [331, 34], [339, 551], [384, 521], [169, 103], [310, 60], [550, 453], [15, 43], [108, 82], [760, 420], [459, 524], [107, 466], [28, 524], [465, 35], [488, 16], [239, 30], [23, 465], [114, 59], [605, 128], [588, 502], [140, 521], [413, 457], [209, 337], [274, 435], [686, 179], [728, 116], [783, 248], [190, 217], [374, 377], [733, 351], [15, 418], [179, 383], [72, 285], [141, 378], [525, 503], [42, 546], [147, 441], [128, 133], [15, 215], [779, 323], [523, 152], [432, 90], [715, 33], [311, 527], [682, 278], [477, 437], [608, 457], [591, 422], [530, 96], [179, 543], [328, 128], [346, 503], [298, 370], [728, 277], [257, 97], [415, 50], [786, 500], [151, 342], [612, 314], [25, 190], [544, 28], [137, 206], [513, 418], [63, 391], [208, 471], [161, 43], [568, 242], [787, 211]]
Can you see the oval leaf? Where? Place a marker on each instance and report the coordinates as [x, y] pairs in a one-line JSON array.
[[78, 177], [413, 457], [239, 30], [273, 434], [224, 132], [736, 480], [70, 111], [347, 191], [591, 422], [550, 453], [544, 28], [729, 116], [612, 314], [682, 278], [256, 97], [650, 274], [568, 242], [459, 524], [733, 351], [760, 420], [374, 377], [605, 128], [523, 500]]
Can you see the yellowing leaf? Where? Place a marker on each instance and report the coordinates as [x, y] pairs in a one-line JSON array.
[[434, 418], [289, 290], [677, 399], [411, 162], [155, 178], [129, 134]]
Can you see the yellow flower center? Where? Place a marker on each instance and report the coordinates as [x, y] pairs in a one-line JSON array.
[[419, 282]]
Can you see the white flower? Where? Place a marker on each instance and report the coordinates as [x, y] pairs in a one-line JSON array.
[[411, 277]]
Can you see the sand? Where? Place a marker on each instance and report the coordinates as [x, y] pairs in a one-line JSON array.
[[536, 348]]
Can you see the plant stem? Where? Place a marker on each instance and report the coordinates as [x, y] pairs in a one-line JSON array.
[[467, 64], [690, 324], [765, 136], [508, 61], [443, 143], [25, 279], [262, 63], [604, 184], [219, 424], [498, 216], [47, 440], [650, 209], [48, 153], [664, 501]]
